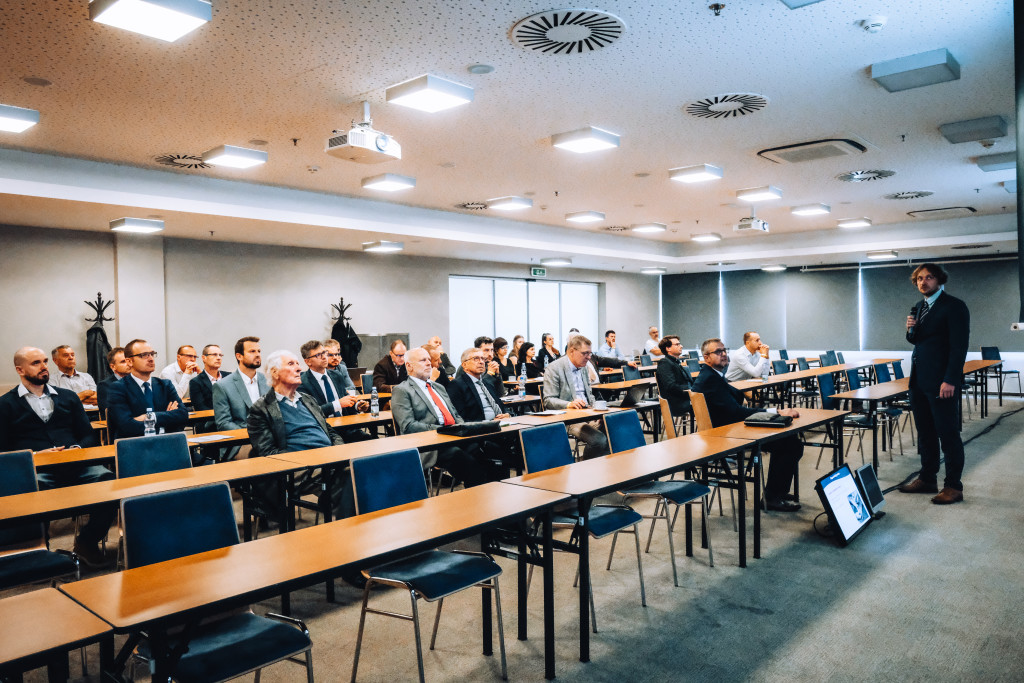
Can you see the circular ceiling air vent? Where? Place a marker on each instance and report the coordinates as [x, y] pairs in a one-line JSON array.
[[472, 206], [567, 31], [181, 161], [724, 106], [865, 176], [915, 194]]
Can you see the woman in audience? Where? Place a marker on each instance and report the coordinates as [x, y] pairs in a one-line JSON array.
[[517, 341], [526, 352], [548, 352], [505, 366]]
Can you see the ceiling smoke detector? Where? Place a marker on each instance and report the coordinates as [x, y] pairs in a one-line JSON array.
[[914, 194], [472, 206], [181, 161], [726, 106], [567, 31], [865, 176]]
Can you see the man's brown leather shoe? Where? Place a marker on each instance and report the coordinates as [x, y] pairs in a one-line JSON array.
[[918, 486], [948, 496]]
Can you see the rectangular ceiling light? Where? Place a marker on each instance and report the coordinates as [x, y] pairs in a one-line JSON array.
[[976, 129], [916, 71], [884, 255], [429, 93], [854, 223], [649, 227], [998, 162], [509, 203], [556, 261], [383, 247], [142, 225], [795, 4], [759, 194], [773, 267], [389, 182], [162, 19], [695, 174], [17, 119], [234, 157], [706, 237], [585, 140], [653, 270], [584, 216], [811, 210]]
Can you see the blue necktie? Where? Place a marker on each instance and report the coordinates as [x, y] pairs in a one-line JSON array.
[[328, 391], [147, 393]]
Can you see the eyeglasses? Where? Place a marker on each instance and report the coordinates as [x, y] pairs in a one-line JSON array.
[[145, 354], [317, 355], [185, 355], [333, 355], [213, 355], [718, 352], [477, 358]]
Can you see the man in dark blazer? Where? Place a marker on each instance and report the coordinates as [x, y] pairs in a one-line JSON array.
[[939, 329], [674, 380], [725, 407], [140, 390], [318, 380], [200, 387], [474, 401], [38, 417], [119, 367], [390, 370]]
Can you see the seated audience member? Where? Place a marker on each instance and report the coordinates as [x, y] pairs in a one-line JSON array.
[[651, 345], [513, 355], [506, 368], [335, 361], [40, 417], [446, 363], [725, 407], [548, 353], [67, 377], [200, 388], [750, 362], [419, 405], [330, 388], [234, 396], [119, 367], [437, 374], [139, 391], [526, 353], [673, 377], [475, 402], [390, 370], [182, 371], [567, 386], [609, 349]]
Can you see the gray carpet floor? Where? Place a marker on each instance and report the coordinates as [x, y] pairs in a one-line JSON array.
[[926, 593]]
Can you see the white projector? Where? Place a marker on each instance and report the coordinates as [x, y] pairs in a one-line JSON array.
[[751, 224], [365, 145]]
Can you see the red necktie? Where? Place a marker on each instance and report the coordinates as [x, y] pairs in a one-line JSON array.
[[448, 419]]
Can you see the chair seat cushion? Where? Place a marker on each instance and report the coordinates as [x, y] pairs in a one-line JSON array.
[[437, 574], [606, 519], [33, 566], [678, 492], [857, 421], [232, 646]]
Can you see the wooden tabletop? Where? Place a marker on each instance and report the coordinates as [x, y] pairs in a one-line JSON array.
[[515, 382], [569, 416], [42, 621], [809, 417], [273, 564], [976, 365], [877, 392], [626, 384], [512, 399]]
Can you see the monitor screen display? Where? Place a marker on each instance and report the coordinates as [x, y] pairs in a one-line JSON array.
[[869, 487], [843, 501]]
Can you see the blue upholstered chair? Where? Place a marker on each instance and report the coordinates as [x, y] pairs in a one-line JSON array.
[[645, 359], [780, 367], [625, 433], [151, 454], [391, 479], [367, 382], [783, 354], [629, 373], [856, 423], [165, 526], [992, 353], [693, 364]]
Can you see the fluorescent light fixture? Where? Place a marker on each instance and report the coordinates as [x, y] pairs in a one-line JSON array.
[[653, 270], [429, 93], [585, 140], [759, 194], [854, 223], [811, 210], [884, 255], [234, 157], [509, 203], [973, 130], [998, 162], [695, 174], [162, 19], [556, 261], [383, 247], [389, 182], [773, 267], [916, 71], [142, 225], [706, 237], [17, 119], [584, 216], [650, 227]]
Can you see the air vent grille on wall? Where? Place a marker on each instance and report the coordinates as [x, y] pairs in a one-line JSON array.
[[915, 194], [728, 105], [814, 150], [567, 31], [472, 206], [865, 176], [965, 247], [946, 212], [181, 161], [617, 228]]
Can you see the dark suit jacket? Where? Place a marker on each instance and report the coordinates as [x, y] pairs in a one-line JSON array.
[[467, 401], [673, 383], [494, 384], [412, 409], [200, 390], [543, 353], [21, 428], [267, 431], [341, 381], [386, 375], [125, 401], [725, 402], [102, 387], [940, 344]]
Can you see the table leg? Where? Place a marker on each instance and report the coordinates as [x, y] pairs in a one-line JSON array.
[[758, 459], [874, 434], [107, 657], [549, 598], [585, 588], [521, 584], [326, 482], [486, 612], [287, 523], [741, 505], [57, 668], [688, 520]]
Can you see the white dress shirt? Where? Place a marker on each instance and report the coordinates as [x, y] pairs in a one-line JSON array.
[[430, 400], [319, 378], [78, 382], [40, 405], [746, 365], [179, 378], [251, 385]]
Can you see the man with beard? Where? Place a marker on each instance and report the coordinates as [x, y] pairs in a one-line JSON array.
[[235, 394]]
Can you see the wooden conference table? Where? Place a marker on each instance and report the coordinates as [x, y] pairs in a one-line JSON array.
[[874, 395]]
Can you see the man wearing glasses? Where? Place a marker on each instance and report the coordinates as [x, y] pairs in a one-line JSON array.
[[567, 386], [725, 405], [390, 370], [139, 391], [183, 370], [200, 388]]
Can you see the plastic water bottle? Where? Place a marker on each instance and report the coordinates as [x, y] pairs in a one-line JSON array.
[[149, 424], [546, 359], [764, 372], [522, 382], [374, 403]]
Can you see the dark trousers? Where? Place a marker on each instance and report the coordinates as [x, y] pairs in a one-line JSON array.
[[785, 458], [100, 516], [938, 422]]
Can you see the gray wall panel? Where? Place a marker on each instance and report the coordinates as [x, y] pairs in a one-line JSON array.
[[690, 307], [821, 310], [755, 301]]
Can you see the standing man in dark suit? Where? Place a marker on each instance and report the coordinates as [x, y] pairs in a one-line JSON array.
[[725, 407], [138, 392], [939, 329], [200, 387], [673, 378], [119, 367], [390, 370], [330, 388]]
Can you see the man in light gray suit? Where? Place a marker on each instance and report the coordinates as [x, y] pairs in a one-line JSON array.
[[419, 405], [567, 387], [235, 394]]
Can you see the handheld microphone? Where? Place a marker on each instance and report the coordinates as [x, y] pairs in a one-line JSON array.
[[913, 312]]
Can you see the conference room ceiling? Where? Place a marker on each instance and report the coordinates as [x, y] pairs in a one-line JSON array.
[[291, 72]]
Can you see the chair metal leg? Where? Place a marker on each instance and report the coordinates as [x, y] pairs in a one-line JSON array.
[[437, 620], [593, 609], [501, 629], [309, 665], [256, 678], [359, 636], [611, 553], [639, 564], [705, 510], [671, 545], [416, 629]]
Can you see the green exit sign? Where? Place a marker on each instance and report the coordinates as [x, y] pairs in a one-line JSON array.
[[538, 272]]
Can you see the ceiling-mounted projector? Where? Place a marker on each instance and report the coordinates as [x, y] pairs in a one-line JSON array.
[[751, 224], [362, 143]]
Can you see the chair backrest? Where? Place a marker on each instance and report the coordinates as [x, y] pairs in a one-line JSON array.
[[629, 373], [645, 359], [839, 357], [545, 447], [18, 475], [367, 382], [151, 454], [693, 364], [692, 354], [783, 354], [623, 430], [823, 359], [803, 364], [666, 418], [827, 387], [780, 367], [700, 411], [990, 353], [833, 359], [853, 379], [388, 479], [164, 526], [897, 369], [882, 373]]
